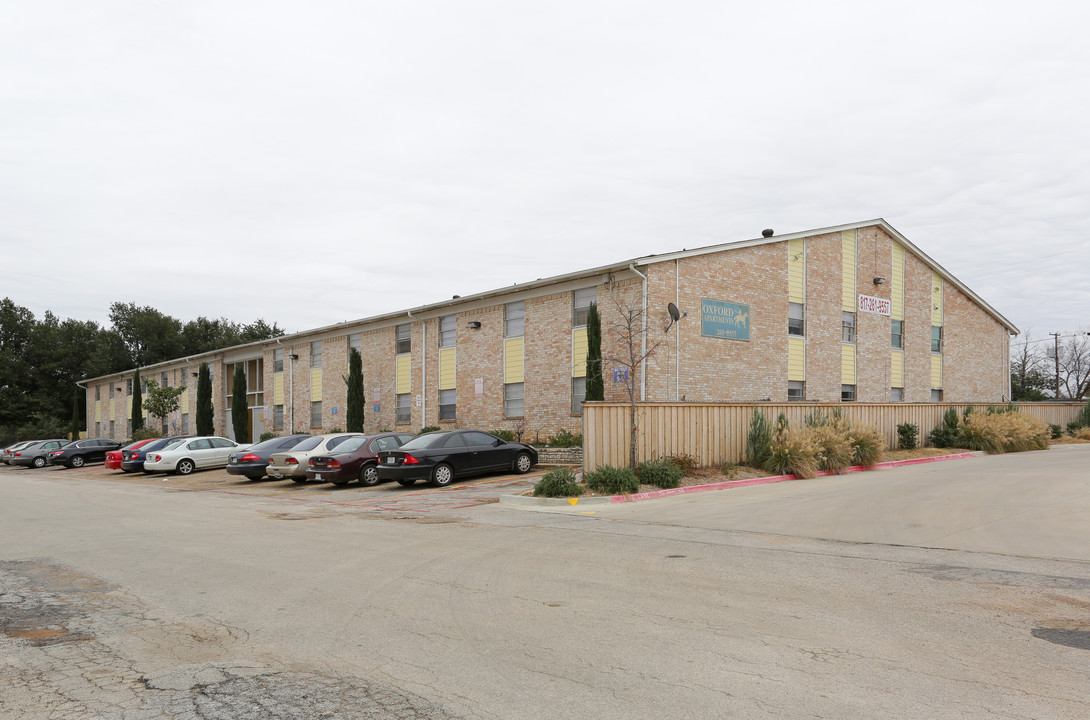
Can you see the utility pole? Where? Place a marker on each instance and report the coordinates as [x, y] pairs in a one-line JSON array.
[[1056, 354]]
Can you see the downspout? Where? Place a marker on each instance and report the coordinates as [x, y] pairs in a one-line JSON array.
[[643, 341], [677, 332], [423, 371]]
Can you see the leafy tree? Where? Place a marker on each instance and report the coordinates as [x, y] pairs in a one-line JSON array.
[[17, 328], [355, 410], [137, 403], [240, 410], [162, 401], [595, 384], [205, 411], [148, 335]]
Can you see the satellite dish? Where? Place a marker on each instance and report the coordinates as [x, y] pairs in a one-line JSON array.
[[675, 315]]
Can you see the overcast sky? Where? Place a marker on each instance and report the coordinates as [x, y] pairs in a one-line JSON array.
[[309, 163]]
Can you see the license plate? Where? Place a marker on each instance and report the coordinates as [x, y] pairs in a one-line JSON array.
[[390, 461], [317, 476]]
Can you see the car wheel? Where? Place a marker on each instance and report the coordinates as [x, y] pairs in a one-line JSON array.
[[523, 463], [369, 475], [184, 467], [442, 475], [76, 461], [405, 483], [39, 462]]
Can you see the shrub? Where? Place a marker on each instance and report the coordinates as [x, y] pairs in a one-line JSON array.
[[560, 482], [834, 447], [1083, 417], [686, 463], [1073, 427], [946, 434], [504, 434], [428, 429], [907, 436], [1083, 433], [1056, 430], [1006, 432], [660, 473], [758, 440], [565, 439], [612, 480], [867, 443], [145, 434], [793, 452]]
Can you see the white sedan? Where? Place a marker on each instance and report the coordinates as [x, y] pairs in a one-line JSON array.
[[185, 455]]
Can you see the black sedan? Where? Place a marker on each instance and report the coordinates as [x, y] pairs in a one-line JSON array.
[[133, 460], [79, 453], [251, 462], [440, 457]]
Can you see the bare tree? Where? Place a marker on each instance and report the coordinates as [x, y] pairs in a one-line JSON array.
[[633, 346], [1074, 361], [1030, 369]]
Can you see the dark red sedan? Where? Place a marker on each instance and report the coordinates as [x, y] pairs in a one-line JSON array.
[[114, 458], [355, 459]]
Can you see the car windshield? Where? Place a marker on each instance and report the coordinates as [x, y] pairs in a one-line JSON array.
[[351, 444], [171, 444], [70, 445], [425, 441], [308, 444], [272, 444]]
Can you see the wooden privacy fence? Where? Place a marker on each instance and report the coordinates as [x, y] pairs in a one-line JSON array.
[[715, 433]]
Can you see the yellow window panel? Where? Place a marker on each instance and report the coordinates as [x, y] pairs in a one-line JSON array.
[[98, 411], [847, 364], [128, 408], [847, 244], [796, 359], [796, 270], [512, 360], [315, 384], [897, 369], [579, 352], [448, 379], [897, 284], [936, 371], [278, 389], [404, 383], [113, 412], [936, 299], [183, 402]]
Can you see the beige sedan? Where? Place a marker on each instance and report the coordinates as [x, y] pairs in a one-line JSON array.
[[293, 464]]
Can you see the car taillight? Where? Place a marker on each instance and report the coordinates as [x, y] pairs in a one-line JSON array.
[[56, 452], [135, 456], [291, 461], [19, 454], [249, 457], [409, 460], [333, 464], [156, 458]]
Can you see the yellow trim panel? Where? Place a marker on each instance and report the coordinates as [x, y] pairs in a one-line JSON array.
[[98, 411], [847, 364], [796, 358], [897, 369], [579, 352], [278, 389], [936, 299], [848, 286], [936, 371], [513, 363], [796, 270], [315, 384], [448, 359], [897, 284], [404, 382]]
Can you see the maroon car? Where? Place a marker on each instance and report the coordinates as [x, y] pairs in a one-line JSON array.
[[355, 458]]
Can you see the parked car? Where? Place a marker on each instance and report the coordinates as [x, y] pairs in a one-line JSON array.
[[255, 460], [133, 460], [293, 463], [443, 456], [184, 455], [36, 454], [81, 452], [354, 459], [5, 456], [114, 458]]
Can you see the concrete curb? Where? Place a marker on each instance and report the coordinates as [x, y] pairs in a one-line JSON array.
[[725, 485]]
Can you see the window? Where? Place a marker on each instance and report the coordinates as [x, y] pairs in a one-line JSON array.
[[578, 394], [936, 394], [185, 423], [897, 394], [513, 399], [847, 327], [128, 387], [936, 338], [796, 390], [278, 360], [448, 330], [111, 391], [514, 319], [98, 428], [185, 378], [354, 342], [796, 322], [163, 382], [447, 405], [580, 304], [128, 429], [454, 441], [897, 333], [111, 428], [316, 354], [278, 417], [404, 408], [404, 338], [98, 393], [316, 413], [847, 393]]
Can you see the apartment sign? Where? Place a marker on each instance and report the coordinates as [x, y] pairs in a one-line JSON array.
[[878, 306], [721, 319]]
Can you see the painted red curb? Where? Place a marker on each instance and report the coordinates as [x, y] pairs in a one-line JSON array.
[[636, 497]]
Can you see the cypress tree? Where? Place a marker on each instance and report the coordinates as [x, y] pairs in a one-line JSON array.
[[240, 409], [205, 412], [137, 402], [354, 419], [595, 384]]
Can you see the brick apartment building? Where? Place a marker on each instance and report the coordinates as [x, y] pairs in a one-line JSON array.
[[854, 313]]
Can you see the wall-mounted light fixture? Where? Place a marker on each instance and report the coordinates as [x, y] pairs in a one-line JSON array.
[[195, 374], [879, 281], [293, 356], [474, 324]]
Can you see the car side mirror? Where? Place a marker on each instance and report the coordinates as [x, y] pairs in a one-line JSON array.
[[497, 442]]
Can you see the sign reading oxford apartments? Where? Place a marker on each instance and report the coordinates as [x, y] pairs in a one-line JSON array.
[[724, 319], [878, 306]]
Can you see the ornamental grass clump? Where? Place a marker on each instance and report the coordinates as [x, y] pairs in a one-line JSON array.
[[660, 473], [1082, 433], [834, 447], [559, 482], [868, 444], [611, 480], [793, 452], [1005, 432]]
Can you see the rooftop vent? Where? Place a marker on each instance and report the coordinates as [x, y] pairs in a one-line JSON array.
[[767, 233]]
